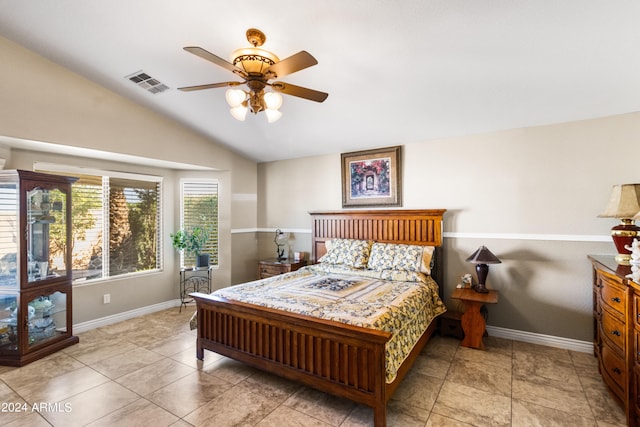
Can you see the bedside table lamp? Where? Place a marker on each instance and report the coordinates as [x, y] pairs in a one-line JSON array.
[[624, 204], [280, 241], [481, 258]]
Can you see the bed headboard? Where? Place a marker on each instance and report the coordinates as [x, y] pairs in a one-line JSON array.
[[408, 226]]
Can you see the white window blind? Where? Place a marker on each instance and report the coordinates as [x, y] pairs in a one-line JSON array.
[[116, 222], [199, 208]]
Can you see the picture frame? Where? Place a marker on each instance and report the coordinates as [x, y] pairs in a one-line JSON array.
[[372, 178]]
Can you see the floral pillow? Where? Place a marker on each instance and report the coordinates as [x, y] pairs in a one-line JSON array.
[[349, 252], [392, 256]]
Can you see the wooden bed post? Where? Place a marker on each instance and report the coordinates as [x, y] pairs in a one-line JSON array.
[[380, 415]]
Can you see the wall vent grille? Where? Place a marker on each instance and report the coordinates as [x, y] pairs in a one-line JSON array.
[[147, 82]]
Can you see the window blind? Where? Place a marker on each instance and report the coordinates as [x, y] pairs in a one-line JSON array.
[[199, 208]]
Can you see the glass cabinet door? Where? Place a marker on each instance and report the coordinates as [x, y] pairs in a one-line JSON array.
[[47, 317], [46, 234], [9, 331], [9, 237]]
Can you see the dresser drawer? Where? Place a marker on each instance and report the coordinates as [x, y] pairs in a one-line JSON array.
[[613, 294], [636, 310], [272, 270], [613, 330], [613, 371], [636, 347], [636, 385]]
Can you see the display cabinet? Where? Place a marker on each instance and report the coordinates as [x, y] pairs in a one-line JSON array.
[[35, 266]]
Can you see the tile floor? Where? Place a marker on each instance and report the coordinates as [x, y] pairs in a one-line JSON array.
[[143, 372]]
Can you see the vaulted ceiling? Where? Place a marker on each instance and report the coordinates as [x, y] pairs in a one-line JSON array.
[[396, 72]]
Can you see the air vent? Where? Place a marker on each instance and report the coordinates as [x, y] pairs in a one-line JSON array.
[[147, 82]]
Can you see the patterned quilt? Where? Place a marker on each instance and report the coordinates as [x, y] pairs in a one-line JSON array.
[[403, 304]]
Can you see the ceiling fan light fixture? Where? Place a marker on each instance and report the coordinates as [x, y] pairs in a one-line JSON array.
[[239, 112], [235, 97], [272, 115], [253, 60], [273, 100], [256, 67]]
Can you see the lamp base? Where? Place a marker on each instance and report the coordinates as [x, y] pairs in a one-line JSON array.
[[482, 270], [623, 235], [623, 259], [481, 288]]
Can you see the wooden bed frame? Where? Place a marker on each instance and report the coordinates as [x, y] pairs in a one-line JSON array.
[[343, 360]]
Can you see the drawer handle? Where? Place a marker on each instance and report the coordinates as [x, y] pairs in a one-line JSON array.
[[615, 332], [615, 299], [617, 371]]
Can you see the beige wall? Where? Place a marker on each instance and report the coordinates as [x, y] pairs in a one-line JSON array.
[[531, 195], [42, 101]]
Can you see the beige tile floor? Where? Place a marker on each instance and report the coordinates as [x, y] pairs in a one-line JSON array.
[[143, 372]]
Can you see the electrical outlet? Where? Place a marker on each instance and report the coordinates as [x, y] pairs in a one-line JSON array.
[[106, 298]]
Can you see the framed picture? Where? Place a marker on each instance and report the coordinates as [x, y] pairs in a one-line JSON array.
[[371, 178]]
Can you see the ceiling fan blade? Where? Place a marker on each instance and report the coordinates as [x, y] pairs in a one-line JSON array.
[[299, 91], [290, 65], [205, 54], [209, 86]]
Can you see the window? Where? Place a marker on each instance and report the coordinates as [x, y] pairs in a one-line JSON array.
[[116, 222], [199, 208]]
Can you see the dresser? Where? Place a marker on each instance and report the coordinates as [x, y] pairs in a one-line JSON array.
[[616, 344], [273, 267]]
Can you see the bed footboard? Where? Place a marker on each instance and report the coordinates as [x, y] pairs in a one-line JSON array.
[[343, 360]]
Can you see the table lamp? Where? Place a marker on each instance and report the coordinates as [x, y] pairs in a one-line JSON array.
[[481, 258], [280, 240], [624, 204]]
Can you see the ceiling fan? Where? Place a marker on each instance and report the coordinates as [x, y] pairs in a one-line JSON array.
[[257, 67]]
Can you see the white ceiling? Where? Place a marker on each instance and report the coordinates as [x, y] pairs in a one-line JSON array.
[[396, 72]]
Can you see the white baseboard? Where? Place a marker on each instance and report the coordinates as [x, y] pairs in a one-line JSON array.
[[109, 320], [494, 331], [548, 340]]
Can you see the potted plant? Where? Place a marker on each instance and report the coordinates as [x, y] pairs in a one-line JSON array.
[[193, 242]]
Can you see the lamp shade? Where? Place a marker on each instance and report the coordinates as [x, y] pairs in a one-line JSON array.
[[624, 202], [253, 59], [483, 256], [239, 113], [273, 100], [235, 97], [272, 115]]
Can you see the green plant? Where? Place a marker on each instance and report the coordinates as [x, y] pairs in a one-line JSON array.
[[192, 241]]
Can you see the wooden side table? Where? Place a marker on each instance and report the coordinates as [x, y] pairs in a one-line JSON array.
[[473, 323], [273, 267]]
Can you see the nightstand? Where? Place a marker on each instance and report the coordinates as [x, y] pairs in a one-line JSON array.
[[273, 267], [473, 323]]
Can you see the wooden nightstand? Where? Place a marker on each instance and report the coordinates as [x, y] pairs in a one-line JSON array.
[[473, 323], [273, 267]]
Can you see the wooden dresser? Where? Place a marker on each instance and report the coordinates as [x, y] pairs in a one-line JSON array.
[[616, 343]]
